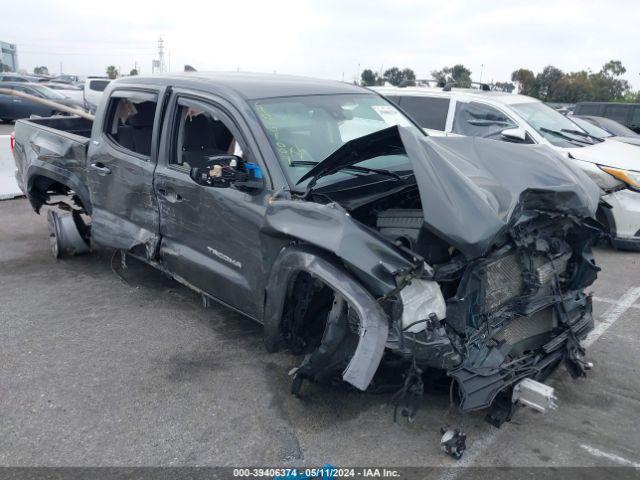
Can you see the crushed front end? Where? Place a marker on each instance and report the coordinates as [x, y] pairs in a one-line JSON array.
[[516, 313], [499, 240]]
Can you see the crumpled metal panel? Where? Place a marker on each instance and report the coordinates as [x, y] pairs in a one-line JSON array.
[[474, 189]]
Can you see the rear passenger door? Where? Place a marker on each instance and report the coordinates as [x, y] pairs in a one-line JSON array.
[[121, 163], [428, 112], [210, 235]]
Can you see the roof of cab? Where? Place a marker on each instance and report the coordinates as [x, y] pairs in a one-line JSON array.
[[249, 85], [502, 97]]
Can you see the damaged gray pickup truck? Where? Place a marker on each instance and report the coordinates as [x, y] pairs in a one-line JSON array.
[[320, 210]]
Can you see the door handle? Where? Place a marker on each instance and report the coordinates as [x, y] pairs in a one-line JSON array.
[[170, 194], [100, 168]]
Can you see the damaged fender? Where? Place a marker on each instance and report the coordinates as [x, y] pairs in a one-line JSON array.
[[374, 324], [371, 258]]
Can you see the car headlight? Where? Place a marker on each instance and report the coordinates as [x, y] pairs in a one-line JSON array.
[[631, 178]]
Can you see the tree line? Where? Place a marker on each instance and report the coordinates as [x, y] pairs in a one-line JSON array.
[[549, 85], [554, 85]]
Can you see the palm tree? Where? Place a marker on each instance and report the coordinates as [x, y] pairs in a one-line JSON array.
[[112, 72]]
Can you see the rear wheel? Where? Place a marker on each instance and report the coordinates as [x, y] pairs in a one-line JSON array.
[[68, 234]]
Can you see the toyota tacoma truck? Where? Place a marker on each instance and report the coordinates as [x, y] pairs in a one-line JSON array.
[[323, 212]]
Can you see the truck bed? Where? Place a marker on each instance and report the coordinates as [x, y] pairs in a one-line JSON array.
[[76, 126], [50, 155]]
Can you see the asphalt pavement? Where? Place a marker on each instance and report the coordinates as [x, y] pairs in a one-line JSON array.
[[105, 369]]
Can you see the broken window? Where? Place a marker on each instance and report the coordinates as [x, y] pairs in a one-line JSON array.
[[129, 121], [200, 134]]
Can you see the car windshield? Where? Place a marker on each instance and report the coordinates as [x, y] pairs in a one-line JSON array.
[[553, 126], [613, 127], [47, 92], [590, 128], [304, 130]]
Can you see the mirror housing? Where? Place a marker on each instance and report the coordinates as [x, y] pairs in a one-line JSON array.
[[516, 134], [222, 171]]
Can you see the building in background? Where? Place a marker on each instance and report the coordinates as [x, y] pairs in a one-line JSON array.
[[9, 56]]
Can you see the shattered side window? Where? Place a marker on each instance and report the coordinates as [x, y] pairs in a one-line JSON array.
[[480, 120], [305, 130], [200, 134], [129, 121]]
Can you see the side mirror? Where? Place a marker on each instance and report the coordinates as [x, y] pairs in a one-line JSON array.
[[516, 134], [222, 171]]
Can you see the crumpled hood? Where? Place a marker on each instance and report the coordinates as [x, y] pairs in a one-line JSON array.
[[472, 189], [610, 153]]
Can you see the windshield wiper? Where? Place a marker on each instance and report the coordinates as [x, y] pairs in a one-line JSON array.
[[582, 134], [566, 137], [388, 173]]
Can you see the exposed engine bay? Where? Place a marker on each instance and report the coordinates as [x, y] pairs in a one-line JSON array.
[[488, 321]]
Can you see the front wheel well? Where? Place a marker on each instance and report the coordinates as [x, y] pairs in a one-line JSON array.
[[307, 305]]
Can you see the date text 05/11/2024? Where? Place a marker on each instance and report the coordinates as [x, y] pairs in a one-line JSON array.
[[326, 472]]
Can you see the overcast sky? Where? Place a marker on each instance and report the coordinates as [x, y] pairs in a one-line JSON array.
[[326, 38]]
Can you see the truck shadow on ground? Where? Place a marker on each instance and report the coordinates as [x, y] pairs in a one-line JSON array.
[[241, 340]]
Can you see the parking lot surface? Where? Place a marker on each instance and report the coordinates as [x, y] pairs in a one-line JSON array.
[[97, 370]]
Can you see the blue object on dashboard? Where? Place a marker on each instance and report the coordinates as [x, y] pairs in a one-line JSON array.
[[254, 170]]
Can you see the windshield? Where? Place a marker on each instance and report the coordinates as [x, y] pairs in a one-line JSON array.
[[305, 130], [553, 126], [590, 128], [47, 92], [613, 127]]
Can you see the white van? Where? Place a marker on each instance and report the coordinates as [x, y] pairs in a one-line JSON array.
[[613, 165], [93, 89]]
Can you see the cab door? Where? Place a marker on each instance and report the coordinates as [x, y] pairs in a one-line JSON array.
[[209, 235], [121, 161]]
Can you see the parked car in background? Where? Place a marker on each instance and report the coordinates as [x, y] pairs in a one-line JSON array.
[[320, 210], [613, 128], [628, 114], [597, 132], [14, 108], [70, 91], [16, 77], [94, 87], [66, 78], [613, 165]]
